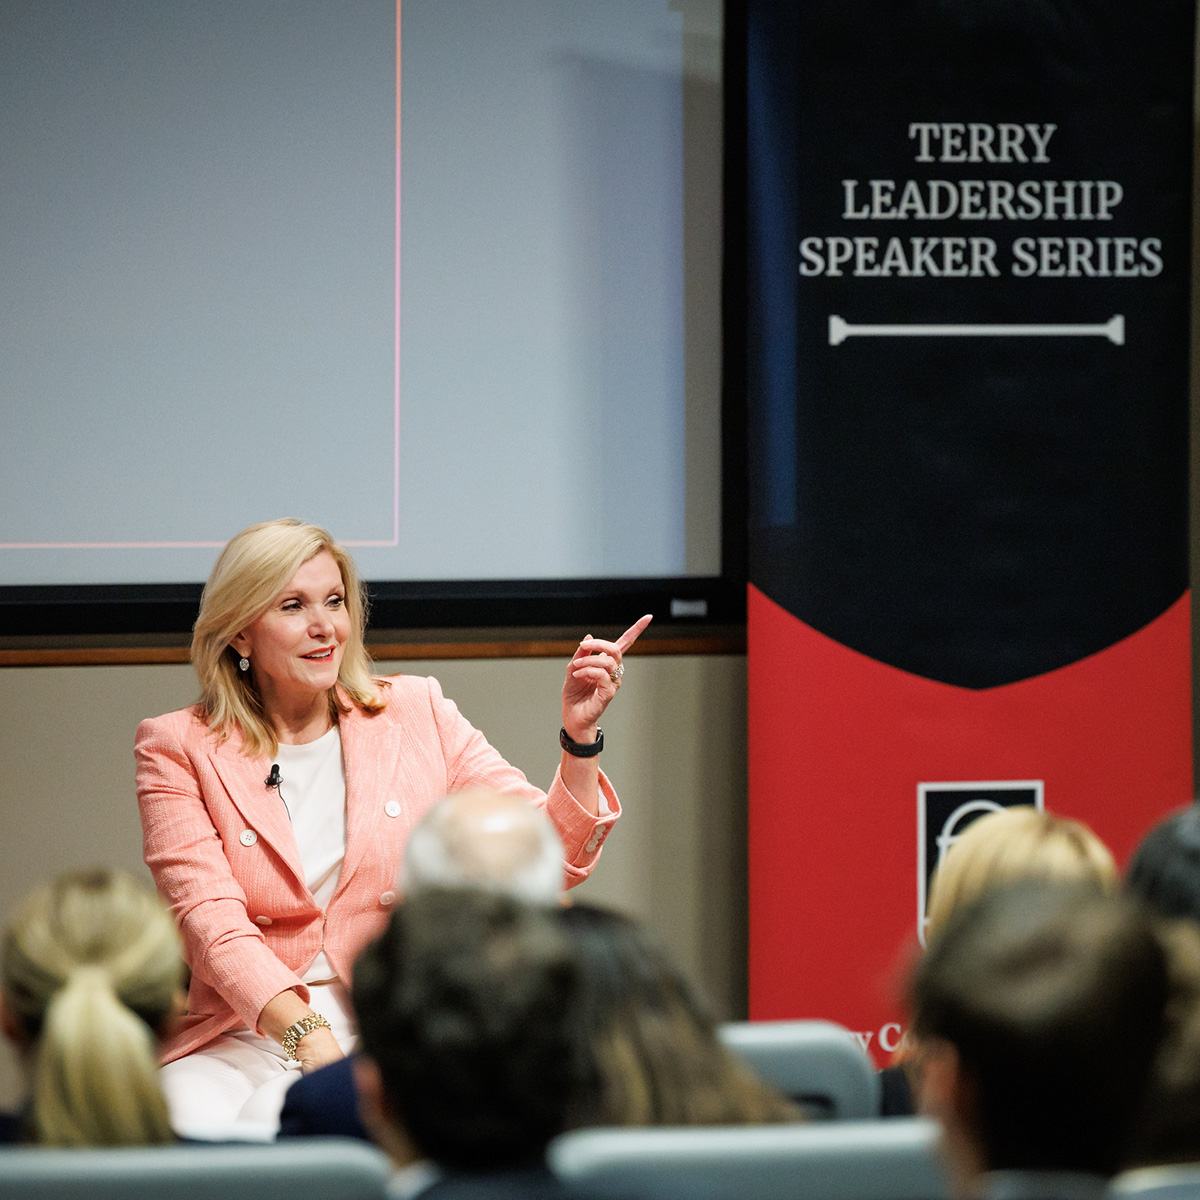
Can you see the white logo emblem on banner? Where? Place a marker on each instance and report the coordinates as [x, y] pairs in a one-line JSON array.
[[945, 810]]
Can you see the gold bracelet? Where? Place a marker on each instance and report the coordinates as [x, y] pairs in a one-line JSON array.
[[293, 1033]]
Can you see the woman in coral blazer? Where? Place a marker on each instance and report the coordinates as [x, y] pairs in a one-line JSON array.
[[278, 879]]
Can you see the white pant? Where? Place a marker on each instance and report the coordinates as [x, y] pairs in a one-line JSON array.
[[233, 1088]]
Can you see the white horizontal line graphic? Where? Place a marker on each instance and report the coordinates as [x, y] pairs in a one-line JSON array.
[[840, 330]]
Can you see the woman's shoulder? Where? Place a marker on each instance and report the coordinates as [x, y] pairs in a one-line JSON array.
[[405, 696], [405, 685], [402, 690], [184, 724]]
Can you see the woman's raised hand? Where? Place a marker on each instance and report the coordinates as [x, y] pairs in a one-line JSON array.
[[593, 678]]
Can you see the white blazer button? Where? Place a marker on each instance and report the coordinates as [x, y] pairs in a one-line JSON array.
[[263, 920], [248, 837], [392, 808], [387, 898]]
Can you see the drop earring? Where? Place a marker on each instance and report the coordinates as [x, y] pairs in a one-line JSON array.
[[243, 663]]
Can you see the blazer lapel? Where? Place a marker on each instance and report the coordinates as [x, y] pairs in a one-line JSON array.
[[244, 779], [370, 771]]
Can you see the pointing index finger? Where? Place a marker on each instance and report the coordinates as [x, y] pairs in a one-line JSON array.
[[632, 634]]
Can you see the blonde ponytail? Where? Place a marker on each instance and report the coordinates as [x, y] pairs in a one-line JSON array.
[[91, 967]]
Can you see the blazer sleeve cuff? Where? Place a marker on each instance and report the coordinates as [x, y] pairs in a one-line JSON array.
[[249, 981], [582, 833]]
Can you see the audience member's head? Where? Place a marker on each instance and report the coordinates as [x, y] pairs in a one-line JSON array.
[[657, 1059], [1040, 1008], [1169, 1129], [1017, 843], [90, 973], [484, 839], [1165, 868], [472, 1055]]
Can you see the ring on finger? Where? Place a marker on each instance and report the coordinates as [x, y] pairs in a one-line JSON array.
[[616, 673]]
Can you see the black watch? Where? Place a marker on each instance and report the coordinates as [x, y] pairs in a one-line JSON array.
[[581, 749]]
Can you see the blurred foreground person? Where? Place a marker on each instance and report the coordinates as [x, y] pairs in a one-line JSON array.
[[1168, 1133], [1018, 843], [999, 848], [487, 840], [1164, 871], [478, 838], [655, 1052], [91, 976], [1040, 1008], [471, 1057]]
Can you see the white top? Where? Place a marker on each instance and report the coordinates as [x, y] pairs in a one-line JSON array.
[[313, 787]]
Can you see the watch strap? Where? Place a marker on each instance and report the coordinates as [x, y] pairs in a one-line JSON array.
[[581, 749]]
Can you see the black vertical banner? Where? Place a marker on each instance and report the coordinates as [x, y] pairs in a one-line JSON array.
[[969, 271]]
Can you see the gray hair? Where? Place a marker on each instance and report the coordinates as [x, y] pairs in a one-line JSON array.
[[489, 841]]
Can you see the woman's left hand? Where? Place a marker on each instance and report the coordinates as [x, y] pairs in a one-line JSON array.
[[317, 1049], [593, 678]]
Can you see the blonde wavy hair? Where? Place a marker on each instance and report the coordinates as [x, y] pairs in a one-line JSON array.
[[91, 970], [1018, 843], [249, 573]]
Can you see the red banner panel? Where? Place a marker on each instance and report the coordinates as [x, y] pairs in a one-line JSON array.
[[840, 745]]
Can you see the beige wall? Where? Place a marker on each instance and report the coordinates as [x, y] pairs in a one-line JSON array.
[[675, 749]]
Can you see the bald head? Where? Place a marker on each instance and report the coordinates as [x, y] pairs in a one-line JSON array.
[[484, 839]]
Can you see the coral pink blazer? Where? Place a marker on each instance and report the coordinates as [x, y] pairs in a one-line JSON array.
[[221, 850]]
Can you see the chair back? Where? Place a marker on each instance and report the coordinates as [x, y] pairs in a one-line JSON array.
[[329, 1168], [842, 1160], [818, 1064], [1179, 1182]]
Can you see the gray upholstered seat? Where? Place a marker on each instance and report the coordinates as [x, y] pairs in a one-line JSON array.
[[817, 1063], [839, 1160], [324, 1168], [1180, 1182]]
